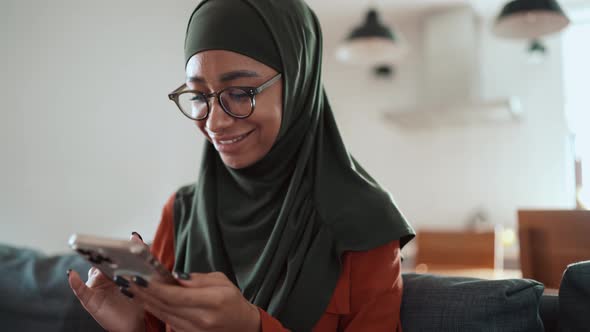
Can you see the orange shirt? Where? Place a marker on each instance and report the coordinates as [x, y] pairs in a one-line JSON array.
[[367, 296]]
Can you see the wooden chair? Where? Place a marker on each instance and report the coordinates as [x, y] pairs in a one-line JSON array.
[[457, 250], [550, 240]]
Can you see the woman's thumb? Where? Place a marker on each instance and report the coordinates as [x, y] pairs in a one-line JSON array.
[[80, 289]]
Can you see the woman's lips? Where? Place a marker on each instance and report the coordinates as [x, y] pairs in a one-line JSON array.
[[229, 144]]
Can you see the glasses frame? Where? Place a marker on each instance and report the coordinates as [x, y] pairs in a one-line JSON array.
[[251, 91]]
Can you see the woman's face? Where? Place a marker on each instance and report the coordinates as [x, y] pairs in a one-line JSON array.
[[240, 142]]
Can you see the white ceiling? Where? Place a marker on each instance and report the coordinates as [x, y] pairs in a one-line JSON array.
[[412, 7]]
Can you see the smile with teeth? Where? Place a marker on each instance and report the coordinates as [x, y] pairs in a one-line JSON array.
[[235, 140]]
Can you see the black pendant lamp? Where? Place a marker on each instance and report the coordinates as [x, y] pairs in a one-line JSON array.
[[370, 43], [384, 72], [537, 52], [530, 19]]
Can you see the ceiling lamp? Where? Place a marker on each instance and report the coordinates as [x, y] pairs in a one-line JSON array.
[[383, 72], [537, 52], [530, 19], [371, 43]]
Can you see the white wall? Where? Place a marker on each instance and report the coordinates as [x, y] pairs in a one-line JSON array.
[[441, 177], [90, 143]]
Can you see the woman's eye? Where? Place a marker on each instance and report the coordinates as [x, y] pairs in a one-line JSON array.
[[198, 98], [238, 95]]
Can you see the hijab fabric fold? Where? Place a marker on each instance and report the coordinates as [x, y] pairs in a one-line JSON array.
[[278, 228]]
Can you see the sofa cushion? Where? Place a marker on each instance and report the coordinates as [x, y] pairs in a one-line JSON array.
[[438, 303], [574, 298], [35, 295]]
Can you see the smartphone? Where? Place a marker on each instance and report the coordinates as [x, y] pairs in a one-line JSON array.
[[120, 258]]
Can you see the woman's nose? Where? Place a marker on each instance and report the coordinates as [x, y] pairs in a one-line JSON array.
[[218, 120]]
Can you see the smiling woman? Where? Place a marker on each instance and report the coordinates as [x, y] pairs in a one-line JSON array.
[[240, 135], [283, 230]]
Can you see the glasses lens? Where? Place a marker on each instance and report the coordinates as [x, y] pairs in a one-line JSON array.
[[236, 101], [193, 105]]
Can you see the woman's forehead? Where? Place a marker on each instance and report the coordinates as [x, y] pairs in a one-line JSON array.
[[217, 61]]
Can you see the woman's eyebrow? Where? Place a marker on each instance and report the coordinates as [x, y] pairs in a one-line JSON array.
[[233, 75], [226, 77]]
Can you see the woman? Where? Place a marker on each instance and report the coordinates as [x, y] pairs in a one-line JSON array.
[[284, 229]]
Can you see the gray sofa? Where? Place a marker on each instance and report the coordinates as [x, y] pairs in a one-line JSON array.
[[574, 298], [34, 296]]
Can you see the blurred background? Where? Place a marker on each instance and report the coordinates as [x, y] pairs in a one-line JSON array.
[[466, 122]]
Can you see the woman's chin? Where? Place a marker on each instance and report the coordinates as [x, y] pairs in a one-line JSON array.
[[236, 162]]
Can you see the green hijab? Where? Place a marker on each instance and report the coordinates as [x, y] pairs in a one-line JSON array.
[[278, 228]]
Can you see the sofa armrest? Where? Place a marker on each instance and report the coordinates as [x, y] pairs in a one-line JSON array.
[[35, 295], [442, 303], [574, 298]]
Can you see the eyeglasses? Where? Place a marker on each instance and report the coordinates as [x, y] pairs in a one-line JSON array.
[[237, 101]]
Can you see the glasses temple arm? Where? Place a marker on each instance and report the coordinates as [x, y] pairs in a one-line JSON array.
[[180, 88], [268, 83]]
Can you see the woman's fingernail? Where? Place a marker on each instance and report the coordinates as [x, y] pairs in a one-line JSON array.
[[125, 292], [139, 236], [120, 281], [182, 275], [68, 272], [140, 281]]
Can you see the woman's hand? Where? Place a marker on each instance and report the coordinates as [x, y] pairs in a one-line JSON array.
[[103, 299], [202, 302]]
